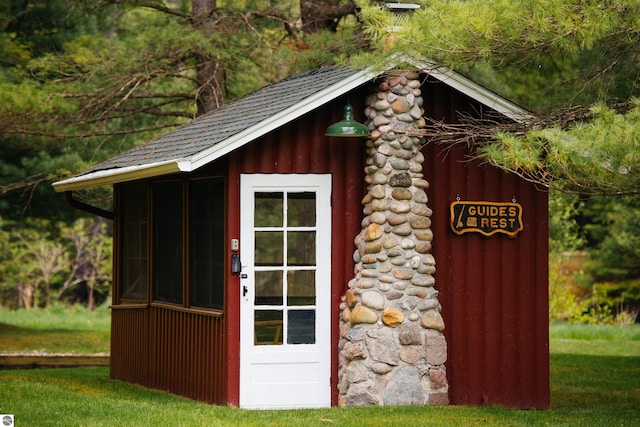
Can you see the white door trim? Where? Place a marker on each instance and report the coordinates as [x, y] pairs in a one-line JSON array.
[[296, 375]]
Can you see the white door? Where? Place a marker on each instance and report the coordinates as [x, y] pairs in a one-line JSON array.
[[285, 291]]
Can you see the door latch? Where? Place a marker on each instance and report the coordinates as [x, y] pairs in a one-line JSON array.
[[244, 290]]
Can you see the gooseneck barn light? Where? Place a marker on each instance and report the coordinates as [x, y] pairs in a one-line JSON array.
[[347, 127]]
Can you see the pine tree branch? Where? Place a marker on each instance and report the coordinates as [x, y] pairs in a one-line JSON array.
[[28, 182], [152, 5], [474, 133]]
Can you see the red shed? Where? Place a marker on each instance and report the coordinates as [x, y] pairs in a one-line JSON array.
[[235, 276]]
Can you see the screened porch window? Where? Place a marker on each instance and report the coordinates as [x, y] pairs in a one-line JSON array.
[[167, 241], [154, 236], [206, 240], [135, 248]]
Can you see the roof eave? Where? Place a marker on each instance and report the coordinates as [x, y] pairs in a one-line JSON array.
[[130, 173], [358, 78], [472, 89], [116, 175], [283, 117]]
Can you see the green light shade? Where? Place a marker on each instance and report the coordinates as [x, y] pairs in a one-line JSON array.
[[347, 127]]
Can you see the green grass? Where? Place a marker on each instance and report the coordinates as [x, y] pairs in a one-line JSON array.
[[595, 381], [594, 340], [586, 390], [564, 330], [55, 330]]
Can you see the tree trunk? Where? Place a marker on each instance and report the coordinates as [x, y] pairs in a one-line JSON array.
[[27, 296], [47, 292], [320, 15], [209, 94], [91, 304]]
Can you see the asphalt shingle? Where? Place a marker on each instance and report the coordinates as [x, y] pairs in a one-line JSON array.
[[227, 121]]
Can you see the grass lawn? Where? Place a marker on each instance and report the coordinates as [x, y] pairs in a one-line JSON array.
[[595, 381], [55, 330]]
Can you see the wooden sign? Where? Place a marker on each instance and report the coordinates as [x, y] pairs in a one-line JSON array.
[[487, 218]]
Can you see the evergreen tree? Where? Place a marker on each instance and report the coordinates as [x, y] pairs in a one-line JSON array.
[[574, 63], [85, 80], [81, 81]]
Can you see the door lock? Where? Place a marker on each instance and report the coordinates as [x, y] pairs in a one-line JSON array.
[[244, 290], [236, 266]]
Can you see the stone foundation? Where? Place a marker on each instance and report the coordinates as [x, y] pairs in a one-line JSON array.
[[392, 349]]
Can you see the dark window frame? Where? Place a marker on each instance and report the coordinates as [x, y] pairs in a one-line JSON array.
[[216, 300]]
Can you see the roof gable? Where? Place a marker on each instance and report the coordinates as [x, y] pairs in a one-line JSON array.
[[245, 119]]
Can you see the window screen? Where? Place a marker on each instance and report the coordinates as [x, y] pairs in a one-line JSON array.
[[167, 241], [134, 283], [206, 242]]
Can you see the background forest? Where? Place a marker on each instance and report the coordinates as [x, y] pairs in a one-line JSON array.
[[81, 81]]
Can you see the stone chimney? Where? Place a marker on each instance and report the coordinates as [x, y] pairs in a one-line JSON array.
[[392, 346]]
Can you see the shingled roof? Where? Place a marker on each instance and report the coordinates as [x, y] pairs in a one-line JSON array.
[[229, 120], [215, 134]]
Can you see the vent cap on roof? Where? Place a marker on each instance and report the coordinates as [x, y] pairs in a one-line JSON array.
[[401, 13]]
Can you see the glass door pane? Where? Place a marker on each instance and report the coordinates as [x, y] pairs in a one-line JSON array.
[[301, 287], [268, 210], [268, 327], [302, 327], [301, 209], [285, 233], [268, 288]]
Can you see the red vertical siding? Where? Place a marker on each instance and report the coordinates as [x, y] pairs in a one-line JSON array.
[[130, 344], [232, 290], [493, 289], [188, 363], [301, 147], [151, 346]]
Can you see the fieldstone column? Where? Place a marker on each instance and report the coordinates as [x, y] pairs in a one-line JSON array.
[[392, 349]]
